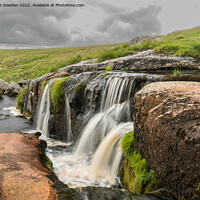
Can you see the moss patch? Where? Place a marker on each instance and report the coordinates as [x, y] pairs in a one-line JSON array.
[[44, 84], [21, 98], [105, 74], [138, 177], [57, 94]]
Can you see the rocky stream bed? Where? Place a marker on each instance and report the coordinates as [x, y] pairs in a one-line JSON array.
[[95, 109]]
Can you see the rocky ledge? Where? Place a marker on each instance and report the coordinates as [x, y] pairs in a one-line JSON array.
[[143, 61], [22, 175], [167, 130]]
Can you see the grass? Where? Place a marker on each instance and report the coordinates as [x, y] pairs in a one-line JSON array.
[[180, 43], [24, 64], [57, 94], [27, 64], [137, 175], [176, 72]]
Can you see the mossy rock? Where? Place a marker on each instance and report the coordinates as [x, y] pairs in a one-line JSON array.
[[57, 94], [138, 177]]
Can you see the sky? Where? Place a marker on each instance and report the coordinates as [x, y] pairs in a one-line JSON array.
[[98, 22]]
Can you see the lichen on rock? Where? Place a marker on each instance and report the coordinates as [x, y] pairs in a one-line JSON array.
[[167, 130]]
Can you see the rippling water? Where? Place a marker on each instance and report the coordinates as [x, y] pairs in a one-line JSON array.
[[10, 118]]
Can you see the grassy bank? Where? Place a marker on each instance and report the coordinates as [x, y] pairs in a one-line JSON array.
[[25, 64], [32, 63]]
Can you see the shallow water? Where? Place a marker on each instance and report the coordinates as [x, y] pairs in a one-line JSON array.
[[11, 120]]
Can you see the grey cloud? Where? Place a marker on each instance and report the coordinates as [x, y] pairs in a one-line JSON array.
[[108, 8], [140, 22], [121, 27], [46, 26], [33, 26]]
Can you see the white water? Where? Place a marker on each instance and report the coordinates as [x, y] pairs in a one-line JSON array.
[[107, 157], [78, 171], [96, 156], [115, 108], [68, 129], [43, 114], [13, 111]]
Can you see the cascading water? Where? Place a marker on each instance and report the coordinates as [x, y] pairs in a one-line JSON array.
[[96, 156], [115, 108], [67, 125], [43, 114], [107, 157]]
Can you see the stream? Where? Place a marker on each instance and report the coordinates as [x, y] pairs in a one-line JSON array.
[[90, 166]]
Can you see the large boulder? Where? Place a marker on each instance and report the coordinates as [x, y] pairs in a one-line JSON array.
[[167, 130], [13, 89]]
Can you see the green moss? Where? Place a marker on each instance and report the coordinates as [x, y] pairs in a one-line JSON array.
[[44, 84], [123, 69], [21, 98], [105, 74], [57, 94], [138, 177], [109, 68]]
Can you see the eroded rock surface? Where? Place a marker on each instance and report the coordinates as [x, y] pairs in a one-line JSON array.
[[22, 176], [3, 86], [142, 61], [167, 129]]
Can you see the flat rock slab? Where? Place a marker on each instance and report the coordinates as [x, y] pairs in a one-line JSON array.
[[22, 175]]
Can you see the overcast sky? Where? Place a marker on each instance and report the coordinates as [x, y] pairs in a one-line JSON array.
[[98, 22]]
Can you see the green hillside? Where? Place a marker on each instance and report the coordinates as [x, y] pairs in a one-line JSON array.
[[25, 64]]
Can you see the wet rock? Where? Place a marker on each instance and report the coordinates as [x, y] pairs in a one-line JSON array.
[[22, 175], [143, 61], [3, 86], [167, 130], [13, 89]]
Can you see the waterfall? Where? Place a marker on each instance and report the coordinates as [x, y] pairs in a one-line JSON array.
[[95, 157], [67, 125], [43, 114], [107, 157], [114, 109]]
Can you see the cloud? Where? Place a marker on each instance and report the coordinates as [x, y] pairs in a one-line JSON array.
[[97, 23], [39, 26], [126, 25]]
